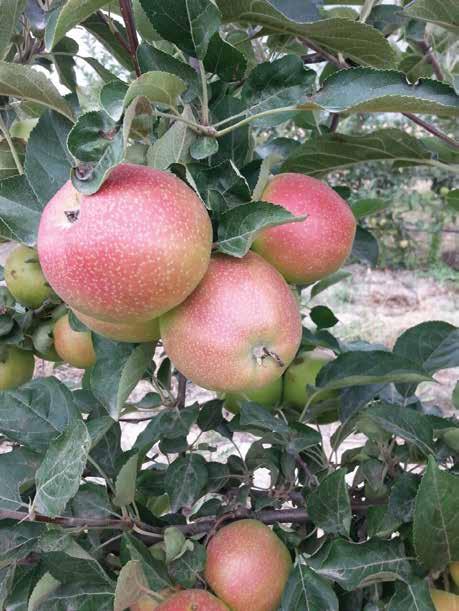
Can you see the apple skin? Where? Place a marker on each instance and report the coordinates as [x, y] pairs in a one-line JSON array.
[[74, 347], [454, 571], [16, 367], [43, 340], [136, 332], [444, 601], [269, 396], [192, 600], [218, 337], [133, 250], [316, 247], [24, 277], [302, 372], [248, 566]]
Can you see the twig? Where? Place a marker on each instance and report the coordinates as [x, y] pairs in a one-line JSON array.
[[10, 142], [334, 121], [181, 393], [109, 23], [432, 129], [331, 58], [310, 477], [430, 57], [205, 94], [128, 17]]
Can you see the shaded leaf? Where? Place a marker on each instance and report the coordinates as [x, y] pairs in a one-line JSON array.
[[329, 281], [402, 497], [112, 97], [128, 586], [365, 247], [364, 207], [444, 13], [224, 59], [306, 590], [173, 146], [10, 11], [125, 483], [64, 17], [18, 540], [82, 596], [20, 211], [185, 479], [412, 595], [97, 26], [437, 504], [154, 570], [329, 505], [17, 469], [434, 345], [58, 477], [187, 568], [323, 317]]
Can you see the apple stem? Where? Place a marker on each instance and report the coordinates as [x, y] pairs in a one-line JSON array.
[[274, 356]]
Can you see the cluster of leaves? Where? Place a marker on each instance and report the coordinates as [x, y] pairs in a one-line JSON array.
[[77, 513]]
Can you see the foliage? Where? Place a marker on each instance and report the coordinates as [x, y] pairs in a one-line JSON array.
[[201, 88]]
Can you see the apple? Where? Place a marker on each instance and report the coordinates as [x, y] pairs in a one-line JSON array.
[[192, 600], [16, 366], [137, 332], [303, 372], [24, 277], [454, 571], [248, 566], [269, 396], [148, 603], [444, 601], [133, 250], [316, 247], [238, 331], [74, 347]]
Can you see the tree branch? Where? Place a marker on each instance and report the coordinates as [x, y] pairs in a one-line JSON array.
[[432, 129], [113, 30], [128, 17], [430, 57], [181, 393]]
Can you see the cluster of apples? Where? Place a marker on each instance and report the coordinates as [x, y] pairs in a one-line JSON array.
[[134, 262], [247, 567]]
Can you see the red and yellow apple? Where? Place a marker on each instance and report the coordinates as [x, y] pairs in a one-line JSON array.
[[16, 367], [133, 250], [137, 332], [192, 600], [248, 566], [74, 347], [238, 331], [316, 247], [444, 601], [24, 277]]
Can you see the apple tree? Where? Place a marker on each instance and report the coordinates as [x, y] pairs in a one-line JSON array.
[[244, 499]]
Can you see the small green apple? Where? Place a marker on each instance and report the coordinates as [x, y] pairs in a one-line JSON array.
[[16, 367], [303, 373], [269, 396], [24, 277]]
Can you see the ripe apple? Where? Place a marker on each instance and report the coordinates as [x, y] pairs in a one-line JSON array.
[[303, 372], [238, 331], [316, 247], [16, 367], [248, 566], [74, 347], [192, 600], [444, 601], [137, 332], [148, 603], [133, 250], [269, 396], [24, 277], [454, 571]]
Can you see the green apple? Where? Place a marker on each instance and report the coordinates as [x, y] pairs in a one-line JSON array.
[[303, 373], [24, 277], [16, 367], [269, 396]]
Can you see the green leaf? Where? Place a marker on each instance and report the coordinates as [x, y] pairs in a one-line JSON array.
[[365, 247], [403, 497], [358, 565], [369, 367], [125, 483], [173, 146], [321, 155], [47, 163], [44, 587], [7, 575], [364, 207], [117, 371], [434, 345], [306, 590], [66, 16], [10, 11], [92, 502], [65, 64], [155, 571], [91, 136], [189, 24], [254, 416], [381, 523], [225, 60], [369, 90], [357, 41], [202, 148], [25, 83], [187, 568], [406, 423], [452, 199], [436, 513], [444, 13], [158, 87], [239, 226], [18, 539], [329, 505], [185, 479], [96, 26], [152, 59], [37, 413], [58, 477], [271, 85], [128, 585], [87, 596], [323, 317], [168, 424], [17, 469], [329, 281], [20, 211], [235, 146], [8, 166], [112, 97], [412, 595]]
